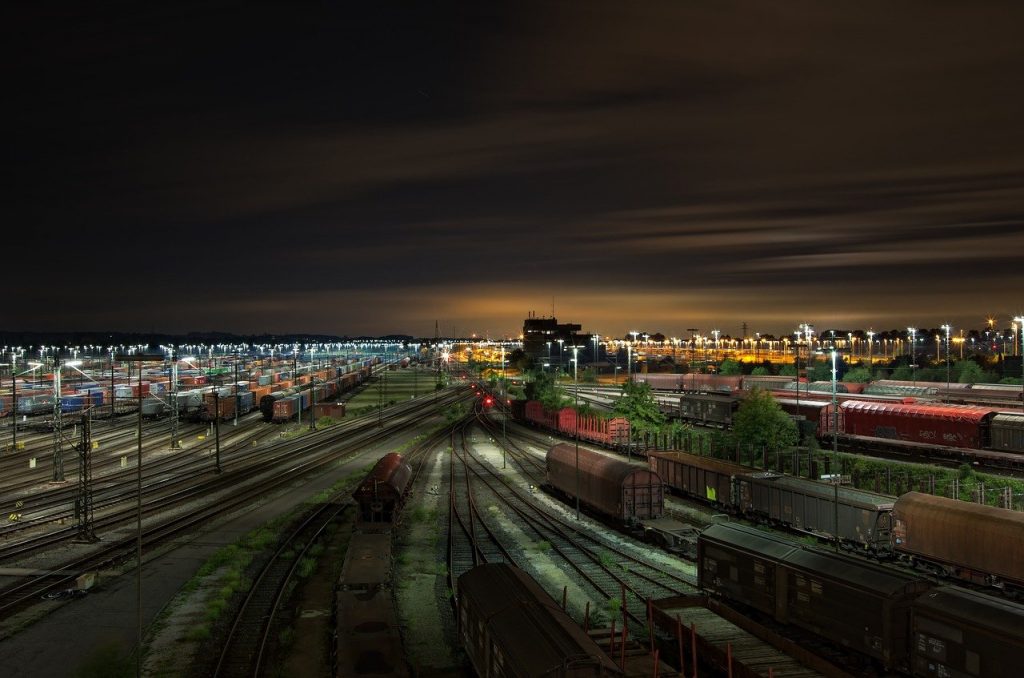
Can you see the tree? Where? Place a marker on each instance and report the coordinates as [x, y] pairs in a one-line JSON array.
[[759, 371], [970, 372], [542, 387], [638, 406], [858, 375], [761, 424], [788, 370], [730, 367]]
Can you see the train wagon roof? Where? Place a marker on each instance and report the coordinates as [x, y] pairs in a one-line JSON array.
[[719, 465], [982, 611], [1014, 419], [535, 631], [963, 510], [970, 413], [861, 574], [596, 464], [749, 538], [848, 495]]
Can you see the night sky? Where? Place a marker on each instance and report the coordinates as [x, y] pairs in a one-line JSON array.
[[369, 168]]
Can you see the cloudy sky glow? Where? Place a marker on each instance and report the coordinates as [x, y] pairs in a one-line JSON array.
[[658, 166]]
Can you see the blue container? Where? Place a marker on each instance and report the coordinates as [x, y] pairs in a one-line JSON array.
[[72, 403]]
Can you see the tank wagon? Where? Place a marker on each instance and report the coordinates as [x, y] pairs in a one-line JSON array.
[[381, 493], [510, 627], [850, 602], [614, 488], [970, 541]]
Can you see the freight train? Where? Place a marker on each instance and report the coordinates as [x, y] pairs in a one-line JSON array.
[[286, 404], [899, 621], [593, 427], [953, 538], [1007, 394], [868, 422], [368, 637], [510, 626]]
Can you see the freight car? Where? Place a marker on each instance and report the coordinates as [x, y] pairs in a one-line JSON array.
[[510, 627], [368, 636], [616, 489], [850, 602], [973, 542], [798, 504], [381, 493], [613, 432], [864, 518], [707, 409], [955, 632]]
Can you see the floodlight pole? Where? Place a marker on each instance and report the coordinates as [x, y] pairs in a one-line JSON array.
[[139, 358]]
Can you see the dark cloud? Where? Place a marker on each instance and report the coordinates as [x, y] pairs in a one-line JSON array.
[[267, 167]]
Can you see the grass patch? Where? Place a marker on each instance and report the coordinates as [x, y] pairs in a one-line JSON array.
[[306, 567]]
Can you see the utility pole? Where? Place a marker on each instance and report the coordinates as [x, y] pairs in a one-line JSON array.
[[58, 443], [83, 504], [216, 428], [174, 400]]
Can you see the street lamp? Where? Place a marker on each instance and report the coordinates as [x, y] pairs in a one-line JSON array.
[[913, 354], [1020, 319], [139, 358], [947, 328], [871, 344], [576, 415], [836, 478], [560, 342], [58, 434]]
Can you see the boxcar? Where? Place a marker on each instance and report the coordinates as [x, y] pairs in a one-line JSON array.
[[708, 409], [511, 627], [970, 541], [381, 493], [957, 632], [613, 487], [1007, 430], [660, 382], [949, 425], [702, 477], [851, 602], [865, 518]]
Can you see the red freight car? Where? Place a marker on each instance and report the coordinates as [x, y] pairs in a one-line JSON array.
[[614, 487], [947, 425], [608, 431], [535, 413]]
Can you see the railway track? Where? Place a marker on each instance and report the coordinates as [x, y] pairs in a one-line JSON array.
[[296, 460], [604, 567]]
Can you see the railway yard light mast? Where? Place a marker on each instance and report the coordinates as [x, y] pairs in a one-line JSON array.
[[947, 328], [139, 358], [1020, 324], [58, 432], [913, 354], [837, 475], [576, 418]]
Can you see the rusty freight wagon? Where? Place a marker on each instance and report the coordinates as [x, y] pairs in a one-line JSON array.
[[693, 476], [613, 487], [510, 627], [851, 602], [383, 490], [970, 541]]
